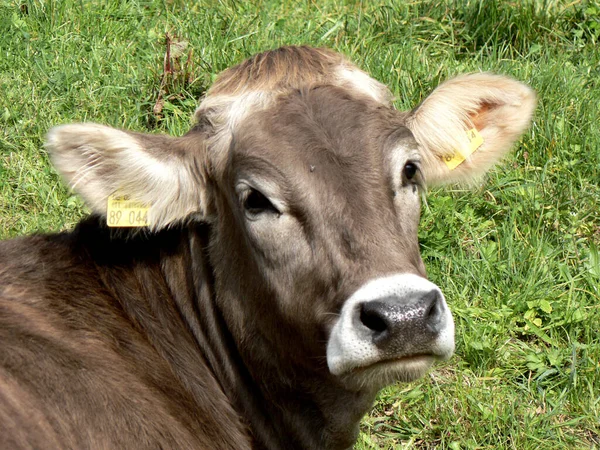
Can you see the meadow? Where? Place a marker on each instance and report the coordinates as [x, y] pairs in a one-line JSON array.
[[517, 255]]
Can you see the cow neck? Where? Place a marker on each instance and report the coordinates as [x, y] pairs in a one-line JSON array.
[[165, 284], [151, 277]]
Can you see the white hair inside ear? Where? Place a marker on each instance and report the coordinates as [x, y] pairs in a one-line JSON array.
[[97, 161], [486, 111]]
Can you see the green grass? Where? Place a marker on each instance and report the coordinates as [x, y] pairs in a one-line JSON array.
[[518, 257]]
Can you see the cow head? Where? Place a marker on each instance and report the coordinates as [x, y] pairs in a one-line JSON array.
[[311, 183]]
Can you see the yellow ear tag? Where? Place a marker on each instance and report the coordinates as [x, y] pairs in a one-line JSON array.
[[122, 211], [475, 141]]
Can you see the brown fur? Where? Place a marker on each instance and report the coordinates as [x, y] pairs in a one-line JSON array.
[[209, 330], [278, 70], [92, 346]]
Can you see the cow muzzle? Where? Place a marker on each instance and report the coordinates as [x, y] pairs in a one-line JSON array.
[[391, 329]]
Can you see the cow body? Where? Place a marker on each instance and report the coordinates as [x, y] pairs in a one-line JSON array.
[[279, 285]]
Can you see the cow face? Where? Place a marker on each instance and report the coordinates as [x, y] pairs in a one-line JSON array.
[[322, 194], [313, 192]]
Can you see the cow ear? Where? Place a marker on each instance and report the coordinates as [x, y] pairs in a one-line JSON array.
[[468, 123], [160, 172]]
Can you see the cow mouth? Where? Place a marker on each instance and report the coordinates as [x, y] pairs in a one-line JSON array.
[[388, 371], [402, 363]]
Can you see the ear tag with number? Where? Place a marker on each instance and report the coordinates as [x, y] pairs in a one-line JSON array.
[[475, 141], [122, 211]]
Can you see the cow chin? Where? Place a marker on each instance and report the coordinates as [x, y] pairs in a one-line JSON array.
[[387, 372]]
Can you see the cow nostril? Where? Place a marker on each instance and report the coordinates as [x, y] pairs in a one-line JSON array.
[[435, 312], [371, 318]]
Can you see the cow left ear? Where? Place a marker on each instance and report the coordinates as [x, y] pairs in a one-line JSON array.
[[469, 123], [161, 172]]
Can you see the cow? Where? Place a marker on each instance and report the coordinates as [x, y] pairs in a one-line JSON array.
[[253, 283]]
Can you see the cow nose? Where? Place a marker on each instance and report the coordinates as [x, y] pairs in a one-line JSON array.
[[397, 324], [394, 317]]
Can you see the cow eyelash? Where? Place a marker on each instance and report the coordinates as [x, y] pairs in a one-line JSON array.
[[256, 203]]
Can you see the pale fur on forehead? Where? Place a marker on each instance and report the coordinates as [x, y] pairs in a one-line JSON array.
[[232, 108], [255, 83], [360, 82]]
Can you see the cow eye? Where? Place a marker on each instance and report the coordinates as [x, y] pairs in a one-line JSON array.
[[410, 170], [256, 203]]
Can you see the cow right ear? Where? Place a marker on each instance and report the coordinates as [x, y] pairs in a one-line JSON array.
[[159, 171], [468, 124]]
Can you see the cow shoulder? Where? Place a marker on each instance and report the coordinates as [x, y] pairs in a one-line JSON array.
[[74, 357]]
